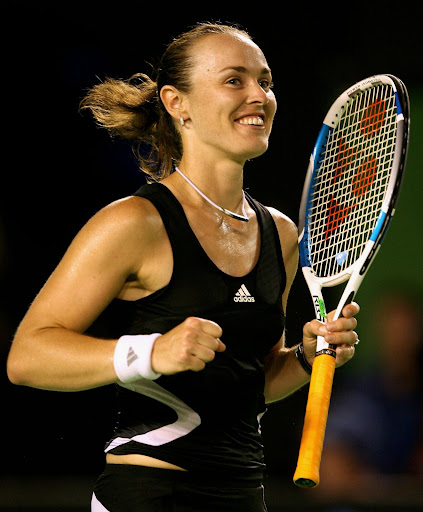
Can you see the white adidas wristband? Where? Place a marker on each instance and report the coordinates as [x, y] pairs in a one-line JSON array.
[[132, 357]]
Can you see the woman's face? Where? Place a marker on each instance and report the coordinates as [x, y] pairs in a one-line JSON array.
[[231, 105]]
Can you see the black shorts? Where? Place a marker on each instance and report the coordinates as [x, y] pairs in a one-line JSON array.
[[127, 488]]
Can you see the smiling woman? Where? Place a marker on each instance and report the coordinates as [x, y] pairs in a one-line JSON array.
[[231, 94], [195, 299]]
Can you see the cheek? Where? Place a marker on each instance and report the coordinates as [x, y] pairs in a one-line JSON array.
[[210, 116], [204, 113]]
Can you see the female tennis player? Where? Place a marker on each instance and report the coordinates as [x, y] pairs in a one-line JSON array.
[[192, 276]]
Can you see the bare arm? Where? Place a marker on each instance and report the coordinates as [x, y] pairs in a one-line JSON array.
[[49, 349], [284, 374], [123, 251]]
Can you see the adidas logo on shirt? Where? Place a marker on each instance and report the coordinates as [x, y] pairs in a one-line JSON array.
[[243, 295]]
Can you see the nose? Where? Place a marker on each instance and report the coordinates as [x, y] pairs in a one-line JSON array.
[[256, 94]]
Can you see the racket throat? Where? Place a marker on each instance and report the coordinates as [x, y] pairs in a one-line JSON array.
[[323, 347]]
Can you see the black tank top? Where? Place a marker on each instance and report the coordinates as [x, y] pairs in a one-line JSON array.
[[207, 420]]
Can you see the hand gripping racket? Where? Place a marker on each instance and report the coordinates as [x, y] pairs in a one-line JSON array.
[[349, 197]]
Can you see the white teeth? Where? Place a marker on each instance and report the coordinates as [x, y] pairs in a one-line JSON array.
[[257, 121]]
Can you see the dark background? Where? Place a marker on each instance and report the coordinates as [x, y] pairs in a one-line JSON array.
[[59, 169]]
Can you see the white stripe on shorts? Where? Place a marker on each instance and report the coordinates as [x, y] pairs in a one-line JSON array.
[[96, 506]]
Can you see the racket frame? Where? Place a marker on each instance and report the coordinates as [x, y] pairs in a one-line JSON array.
[[307, 472], [356, 272]]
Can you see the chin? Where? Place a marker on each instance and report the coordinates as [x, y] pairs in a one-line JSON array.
[[251, 150], [258, 151]]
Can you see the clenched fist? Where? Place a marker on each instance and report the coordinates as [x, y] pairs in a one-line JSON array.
[[189, 346]]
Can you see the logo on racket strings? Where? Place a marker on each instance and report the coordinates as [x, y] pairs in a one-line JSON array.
[[341, 257]]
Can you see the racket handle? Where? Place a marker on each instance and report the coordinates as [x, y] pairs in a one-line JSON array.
[[308, 464]]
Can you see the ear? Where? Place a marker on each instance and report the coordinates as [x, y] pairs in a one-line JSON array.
[[173, 101]]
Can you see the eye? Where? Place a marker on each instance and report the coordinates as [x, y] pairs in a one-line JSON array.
[[234, 81], [266, 84]]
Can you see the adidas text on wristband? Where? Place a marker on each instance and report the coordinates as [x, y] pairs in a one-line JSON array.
[[132, 357]]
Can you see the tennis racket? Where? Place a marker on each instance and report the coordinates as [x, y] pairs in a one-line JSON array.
[[349, 197]]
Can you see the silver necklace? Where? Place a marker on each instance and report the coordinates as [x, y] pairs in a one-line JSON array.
[[242, 217]]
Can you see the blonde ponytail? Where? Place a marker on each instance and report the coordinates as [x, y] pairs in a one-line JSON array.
[[132, 109]]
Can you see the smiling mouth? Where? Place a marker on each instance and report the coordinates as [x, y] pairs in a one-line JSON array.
[[252, 120]]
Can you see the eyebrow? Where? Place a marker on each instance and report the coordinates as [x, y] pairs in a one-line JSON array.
[[241, 69]]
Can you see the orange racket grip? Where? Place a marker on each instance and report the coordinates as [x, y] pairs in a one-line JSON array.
[[307, 473]]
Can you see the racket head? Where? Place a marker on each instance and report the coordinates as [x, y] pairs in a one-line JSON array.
[[353, 179]]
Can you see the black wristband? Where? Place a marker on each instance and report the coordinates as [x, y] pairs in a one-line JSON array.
[[299, 352]]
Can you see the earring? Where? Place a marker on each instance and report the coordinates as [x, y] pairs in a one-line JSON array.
[[181, 120]]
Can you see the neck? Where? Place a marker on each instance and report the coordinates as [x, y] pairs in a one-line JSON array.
[[221, 182], [227, 212]]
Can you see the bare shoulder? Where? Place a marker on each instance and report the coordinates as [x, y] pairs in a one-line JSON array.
[[131, 210], [130, 217], [288, 231], [126, 232], [288, 235]]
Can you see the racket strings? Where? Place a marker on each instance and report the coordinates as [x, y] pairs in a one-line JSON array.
[[352, 180]]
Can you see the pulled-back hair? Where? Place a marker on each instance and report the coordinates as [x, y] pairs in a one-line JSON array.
[[132, 109]]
